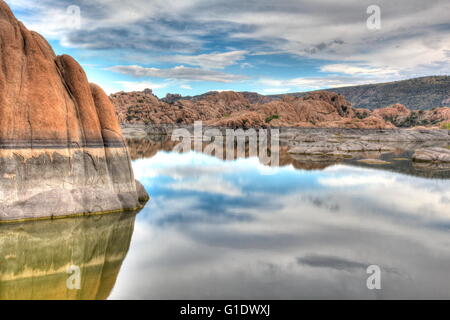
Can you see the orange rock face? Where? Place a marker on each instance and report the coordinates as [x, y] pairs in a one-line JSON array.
[[244, 109], [438, 115], [234, 109], [42, 96], [371, 122], [144, 107], [395, 110], [61, 146], [401, 116]]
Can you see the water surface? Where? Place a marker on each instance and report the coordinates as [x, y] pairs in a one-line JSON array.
[[219, 229]]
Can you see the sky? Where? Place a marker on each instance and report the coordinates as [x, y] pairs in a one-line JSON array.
[[271, 47]]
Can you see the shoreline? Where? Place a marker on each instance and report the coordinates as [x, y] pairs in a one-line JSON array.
[[309, 148], [131, 130]]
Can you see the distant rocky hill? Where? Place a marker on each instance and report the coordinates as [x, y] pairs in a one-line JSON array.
[[417, 94]]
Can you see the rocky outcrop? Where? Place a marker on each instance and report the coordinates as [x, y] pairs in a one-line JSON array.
[[241, 119], [61, 147], [144, 107], [172, 98], [439, 155], [371, 122], [401, 116], [244, 109], [434, 116], [322, 109], [395, 114]]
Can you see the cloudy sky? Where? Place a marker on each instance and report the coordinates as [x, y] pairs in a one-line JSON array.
[[194, 46]]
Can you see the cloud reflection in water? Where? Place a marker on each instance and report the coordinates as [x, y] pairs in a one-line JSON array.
[[217, 229]]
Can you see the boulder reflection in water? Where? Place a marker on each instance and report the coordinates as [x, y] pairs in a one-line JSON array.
[[37, 258]]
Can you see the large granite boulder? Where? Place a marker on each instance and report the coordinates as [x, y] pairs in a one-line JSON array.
[[61, 147]]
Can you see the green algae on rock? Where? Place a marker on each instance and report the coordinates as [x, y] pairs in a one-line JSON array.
[[37, 259]]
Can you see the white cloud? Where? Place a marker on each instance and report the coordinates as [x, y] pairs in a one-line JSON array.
[[214, 60], [314, 83], [413, 41], [276, 90], [186, 87], [139, 86], [412, 198], [178, 73], [357, 180], [355, 69], [205, 184], [180, 166]]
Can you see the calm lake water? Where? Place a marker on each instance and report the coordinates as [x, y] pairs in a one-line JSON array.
[[227, 230], [219, 229]]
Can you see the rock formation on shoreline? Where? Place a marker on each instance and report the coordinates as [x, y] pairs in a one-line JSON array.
[[321, 109], [62, 151], [318, 148], [432, 155]]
